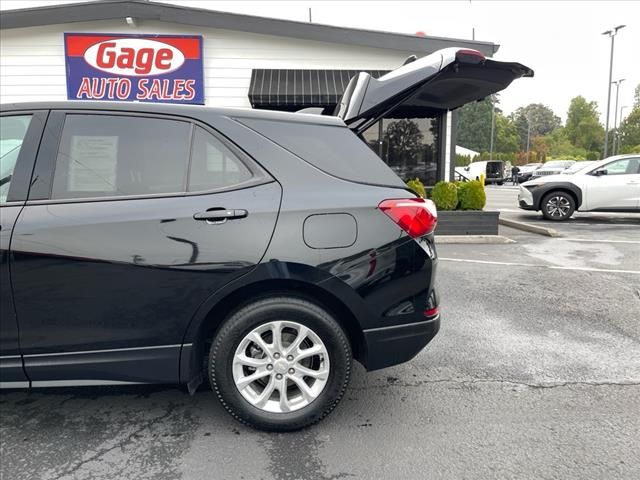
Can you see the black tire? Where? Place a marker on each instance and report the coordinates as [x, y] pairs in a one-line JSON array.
[[241, 323], [558, 206]]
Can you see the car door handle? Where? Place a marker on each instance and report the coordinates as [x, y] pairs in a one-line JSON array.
[[220, 215]]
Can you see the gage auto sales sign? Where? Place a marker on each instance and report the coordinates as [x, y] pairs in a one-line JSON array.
[[143, 68]]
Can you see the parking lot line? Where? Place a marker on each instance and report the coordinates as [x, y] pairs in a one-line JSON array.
[[551, 267], [594, 240]]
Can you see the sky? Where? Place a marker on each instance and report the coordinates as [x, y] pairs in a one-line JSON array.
[[561, 41]]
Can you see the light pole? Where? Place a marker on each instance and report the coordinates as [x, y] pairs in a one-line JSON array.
[[612, 34], [493, 126], [615, 115], [618, 133], [528, 135]]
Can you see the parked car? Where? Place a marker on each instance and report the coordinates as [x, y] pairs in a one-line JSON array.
[[491, 169], [526, 171], [146, 243], [610, 185], [552, 167]]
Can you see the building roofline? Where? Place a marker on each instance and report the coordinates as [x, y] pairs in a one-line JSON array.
[[143, 9]]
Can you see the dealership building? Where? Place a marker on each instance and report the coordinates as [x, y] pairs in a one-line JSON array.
[[227, 60]]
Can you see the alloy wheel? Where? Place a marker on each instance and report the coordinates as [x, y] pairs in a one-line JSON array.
[[281, 366], [558, 206]]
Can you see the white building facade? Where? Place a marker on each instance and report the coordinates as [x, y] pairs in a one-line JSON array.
[[248, 62]]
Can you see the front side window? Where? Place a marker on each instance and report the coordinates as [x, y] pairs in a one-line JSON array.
[[12, 132], [213, 165], [627, 166], [112, 155]]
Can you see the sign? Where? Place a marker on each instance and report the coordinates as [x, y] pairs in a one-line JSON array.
[[142, 68]]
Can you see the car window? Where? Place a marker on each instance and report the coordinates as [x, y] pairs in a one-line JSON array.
[[213, 165], [12, 132], [625, 166], [112, 155]]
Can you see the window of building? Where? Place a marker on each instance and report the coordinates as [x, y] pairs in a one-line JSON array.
[[12, 132], [213, 165], [408, 145], [112, 155]]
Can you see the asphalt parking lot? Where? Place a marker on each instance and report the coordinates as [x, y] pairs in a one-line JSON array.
[[535, 374]]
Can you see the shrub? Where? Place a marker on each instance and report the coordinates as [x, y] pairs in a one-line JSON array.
[[417, 186], [445, 195], [472, 196]]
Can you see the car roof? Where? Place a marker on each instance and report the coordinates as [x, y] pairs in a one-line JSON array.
[[173, 109]]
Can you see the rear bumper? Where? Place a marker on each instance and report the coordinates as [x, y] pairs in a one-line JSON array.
[[388, 346]]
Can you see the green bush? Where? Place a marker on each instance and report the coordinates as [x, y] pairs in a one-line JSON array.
[[471, 195], [445, 195], [417, 186]]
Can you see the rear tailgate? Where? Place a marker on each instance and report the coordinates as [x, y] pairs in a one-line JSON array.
[[444, 80]]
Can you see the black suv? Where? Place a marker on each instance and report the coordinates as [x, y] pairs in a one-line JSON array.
[[261, 250]]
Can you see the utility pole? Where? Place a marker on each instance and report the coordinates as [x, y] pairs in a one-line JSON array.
[[615, 116], [310, 21], [493, 125], [612, 34], [528, 135]]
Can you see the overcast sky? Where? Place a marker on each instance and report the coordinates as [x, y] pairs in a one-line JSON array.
[[560, 40]]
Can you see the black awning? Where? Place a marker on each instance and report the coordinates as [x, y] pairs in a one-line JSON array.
[[296, 89]]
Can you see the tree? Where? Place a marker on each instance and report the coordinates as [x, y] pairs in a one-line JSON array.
[[405, 141], [583, 127], [474, 125], [539, 117], [559, 146], [630, 132], [636, 97], [507, 138]]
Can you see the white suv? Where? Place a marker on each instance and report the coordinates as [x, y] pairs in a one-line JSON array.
[[610, 185]]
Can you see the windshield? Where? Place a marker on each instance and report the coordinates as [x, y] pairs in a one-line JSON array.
[[576, 167], [558, 163]]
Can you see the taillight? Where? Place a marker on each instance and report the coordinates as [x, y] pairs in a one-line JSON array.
[[469, 56], [431, 312], [416, 216]]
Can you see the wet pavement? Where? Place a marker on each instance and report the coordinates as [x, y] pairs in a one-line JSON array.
[[534, 374]]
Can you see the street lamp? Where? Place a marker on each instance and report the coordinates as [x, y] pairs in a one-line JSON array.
[[615, 115], [611, 34]]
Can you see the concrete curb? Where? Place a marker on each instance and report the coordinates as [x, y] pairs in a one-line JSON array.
[[487, 239], [527, 227]]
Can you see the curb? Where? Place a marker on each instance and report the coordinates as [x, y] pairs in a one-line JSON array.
[[487, 239], [527, 227]]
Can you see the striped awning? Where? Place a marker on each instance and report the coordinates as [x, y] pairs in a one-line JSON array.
[[296, 89]]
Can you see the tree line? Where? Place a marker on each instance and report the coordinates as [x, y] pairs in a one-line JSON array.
[[537, 127]]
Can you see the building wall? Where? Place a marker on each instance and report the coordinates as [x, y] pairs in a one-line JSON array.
[[32, 59], [32, 64]]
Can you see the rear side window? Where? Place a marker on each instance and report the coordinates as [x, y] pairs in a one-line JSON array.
[[112, 155], [334, 150], [213, 165], [12, 132]]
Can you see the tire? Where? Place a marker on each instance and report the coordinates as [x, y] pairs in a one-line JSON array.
[[557, 206], [259, 403]]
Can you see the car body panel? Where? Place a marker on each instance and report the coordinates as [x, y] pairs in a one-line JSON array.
[[444, 80], [11, 368]]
